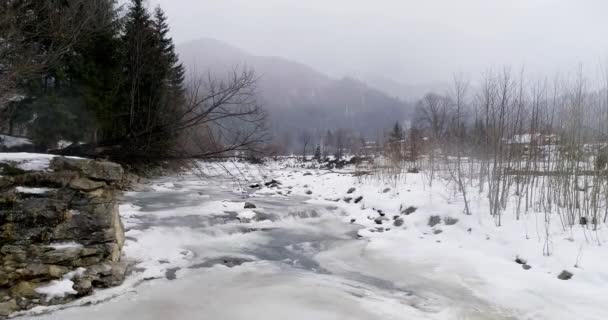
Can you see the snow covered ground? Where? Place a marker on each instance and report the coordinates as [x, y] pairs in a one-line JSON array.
[[307, 251]]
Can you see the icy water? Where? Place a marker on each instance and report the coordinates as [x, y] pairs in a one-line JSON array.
[[294, 260]]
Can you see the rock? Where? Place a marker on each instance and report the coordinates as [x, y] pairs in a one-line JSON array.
[[307, 174], [358, 199], [526, 266], [272, 183], [24, 290], [353, 220], [85, 184], [99, 170], [8, 307], [438, 231], [380, 220], [347, 199], [434, 220], [351, 190], [565, 275], [75, 224], [83, 286], [249, 205], [583, 221], [413, 170], [409, 210], [57, 271], [254, 186], [398, 222], [386, 190], [449, 221], [308, 192], [520, 260]]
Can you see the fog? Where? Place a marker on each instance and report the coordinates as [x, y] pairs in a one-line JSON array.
[[412, 42]]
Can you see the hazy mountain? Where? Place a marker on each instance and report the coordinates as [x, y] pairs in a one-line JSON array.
[[298, 97], [407, 92]]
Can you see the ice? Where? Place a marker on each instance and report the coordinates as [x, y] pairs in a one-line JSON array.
[[306, 260]]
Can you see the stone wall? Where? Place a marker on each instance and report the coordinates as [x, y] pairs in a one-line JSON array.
[[60, 232]]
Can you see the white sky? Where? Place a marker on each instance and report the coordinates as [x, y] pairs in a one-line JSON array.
[[411, 41]]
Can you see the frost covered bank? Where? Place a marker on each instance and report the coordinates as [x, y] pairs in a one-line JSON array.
[[60, 231]]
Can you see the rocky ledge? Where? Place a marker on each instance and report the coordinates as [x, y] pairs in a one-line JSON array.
[[60, 232]]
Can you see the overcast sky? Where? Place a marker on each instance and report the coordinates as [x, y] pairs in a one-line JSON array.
[[411, 41]]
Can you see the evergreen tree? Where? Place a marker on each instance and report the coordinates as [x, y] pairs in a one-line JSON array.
[[396, 134], [175, 72], [62, 35], [317, 155]]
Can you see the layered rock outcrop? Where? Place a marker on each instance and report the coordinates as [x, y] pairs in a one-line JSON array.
[[60, 232]]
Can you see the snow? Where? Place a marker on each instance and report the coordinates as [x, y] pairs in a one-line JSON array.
[[11, 142], [65, 245], [61, 288], [28, 161], [247, 214], [28, 190], [304, 259]]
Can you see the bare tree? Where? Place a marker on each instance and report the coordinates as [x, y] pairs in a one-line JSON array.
[[305, 138]]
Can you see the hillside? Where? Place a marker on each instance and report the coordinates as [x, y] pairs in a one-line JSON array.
[[298, 97]]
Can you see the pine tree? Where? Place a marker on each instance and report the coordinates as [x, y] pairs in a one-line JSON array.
[[142, 117], [66, 36], [317, 155], [175, 70], [171, 71], [396, 134]]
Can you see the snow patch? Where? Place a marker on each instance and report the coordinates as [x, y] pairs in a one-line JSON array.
[[61, 288], [28, 190]]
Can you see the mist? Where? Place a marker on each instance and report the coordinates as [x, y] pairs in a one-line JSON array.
[[405, 41]]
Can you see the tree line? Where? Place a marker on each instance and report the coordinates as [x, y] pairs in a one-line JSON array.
[[107, 79]]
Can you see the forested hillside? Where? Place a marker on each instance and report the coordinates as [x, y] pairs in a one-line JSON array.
[[299, 99]]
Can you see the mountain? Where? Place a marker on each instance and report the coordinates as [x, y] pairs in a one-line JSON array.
[[296, 96], [407, 92]]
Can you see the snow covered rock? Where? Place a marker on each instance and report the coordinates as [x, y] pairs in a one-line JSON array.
[[60, 231]]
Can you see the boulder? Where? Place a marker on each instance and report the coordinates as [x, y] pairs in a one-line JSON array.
[[434, 220], [84, 184], [409, 210], [8, 307], [55, 222], [98, 170], [565, 275], [249, 205]]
